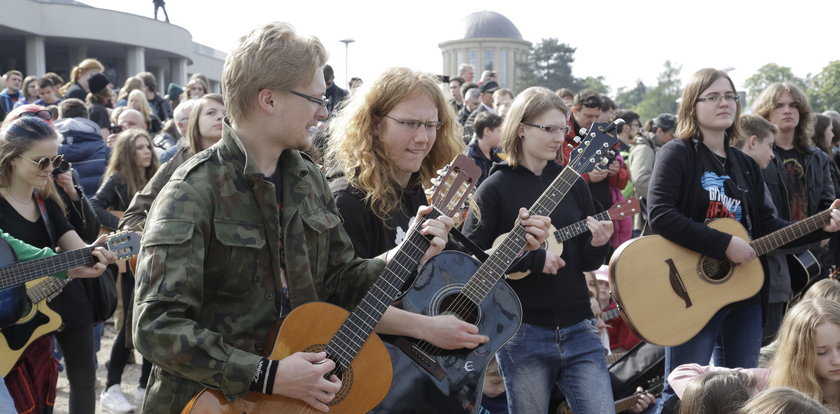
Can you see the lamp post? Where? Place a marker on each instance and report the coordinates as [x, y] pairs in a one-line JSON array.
[[346, 59]]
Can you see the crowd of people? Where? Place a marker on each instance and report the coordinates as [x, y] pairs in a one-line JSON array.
[[286, 189]]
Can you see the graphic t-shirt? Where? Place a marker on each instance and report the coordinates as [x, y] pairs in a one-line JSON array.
[[725, 198], [794, 164]]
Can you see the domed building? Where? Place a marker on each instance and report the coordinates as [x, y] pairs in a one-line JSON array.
[[491, 42]]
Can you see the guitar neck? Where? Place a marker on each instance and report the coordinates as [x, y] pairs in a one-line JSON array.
[[790, 233], [495, 266], [346, 343], [576, 229], [611, 314], [46, 289], [625, 404], [19, 273]]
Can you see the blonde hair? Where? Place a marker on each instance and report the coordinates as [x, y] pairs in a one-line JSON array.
[[132, 83], [826, 288], [16, 137], [196, 81], [145, 109], [766, 102], [687, 125], [356, 149], [752, 124], [272, 56], [795, 359], [526, 106], [718, 392], [782, 400], [79, 71], [123, 161]]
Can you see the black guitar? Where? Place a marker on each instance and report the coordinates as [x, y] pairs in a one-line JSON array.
[[803, 267], [428, 379]]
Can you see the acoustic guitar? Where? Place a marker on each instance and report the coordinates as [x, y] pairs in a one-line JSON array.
[[554, 243], [434, 380], [803, 268], [668, 293], [362, 362], [39, 319]]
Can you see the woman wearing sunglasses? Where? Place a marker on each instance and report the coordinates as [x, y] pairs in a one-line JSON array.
[[32, 211]]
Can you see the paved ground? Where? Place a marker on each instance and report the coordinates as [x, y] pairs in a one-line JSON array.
[[129, 380]]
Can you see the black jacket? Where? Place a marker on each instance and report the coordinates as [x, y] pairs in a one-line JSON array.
[[557, 300], [817, 177], [112, 194]]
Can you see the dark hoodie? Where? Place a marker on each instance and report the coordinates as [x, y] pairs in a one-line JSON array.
[[84, 147]]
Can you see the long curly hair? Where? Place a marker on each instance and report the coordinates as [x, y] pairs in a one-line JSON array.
[[123, 161], [356, 149], [795, 360], [766, 102]]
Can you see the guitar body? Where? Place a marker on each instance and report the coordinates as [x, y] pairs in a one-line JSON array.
[[308, 328], [12, 299], [803, 268], [668, 293], [39, 321], [450, 381], [552, 244]]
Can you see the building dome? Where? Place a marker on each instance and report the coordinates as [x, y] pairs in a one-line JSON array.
[[488, 24]]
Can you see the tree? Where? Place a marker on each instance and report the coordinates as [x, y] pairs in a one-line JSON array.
[[594, 83], [549, 64], [663, 97], [767, 74], [825, 93], [630, 98]]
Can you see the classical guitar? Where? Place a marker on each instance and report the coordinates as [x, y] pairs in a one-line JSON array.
[[39, 319], [432, 380], [362, 362], [668, 293], [554, 243]]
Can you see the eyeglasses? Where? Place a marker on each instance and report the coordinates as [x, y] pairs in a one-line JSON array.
[[550, 128], [714, 98], [43, 114], [431, 125], [45, 163], [320, 102]]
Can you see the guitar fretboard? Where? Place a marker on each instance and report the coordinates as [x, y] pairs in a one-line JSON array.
[[357, 328], [23, 272], [576, 229], [477, 288], [790, 233]]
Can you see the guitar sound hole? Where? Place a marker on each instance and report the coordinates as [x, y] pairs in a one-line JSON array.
[[345, 375], [460, 306], [715, 270]]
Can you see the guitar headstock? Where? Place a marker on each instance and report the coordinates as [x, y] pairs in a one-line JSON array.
[[625, 208], [454, 185], [124, 244], [594, 146]]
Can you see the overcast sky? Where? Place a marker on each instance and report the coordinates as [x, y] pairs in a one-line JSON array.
[[621, 41]]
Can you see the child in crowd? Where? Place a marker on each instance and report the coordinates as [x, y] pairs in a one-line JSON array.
[[494, 400], [783, 400]]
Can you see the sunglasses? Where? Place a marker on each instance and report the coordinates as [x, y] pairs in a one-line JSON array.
[[43, 114], [45, 163]]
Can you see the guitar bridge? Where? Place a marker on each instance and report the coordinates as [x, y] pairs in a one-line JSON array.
[[420, 357]]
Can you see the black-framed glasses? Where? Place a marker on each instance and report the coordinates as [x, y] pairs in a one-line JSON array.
[[43, 114], [431, 125], [320, 102], [44, 163], [550, 128], [715, 98]]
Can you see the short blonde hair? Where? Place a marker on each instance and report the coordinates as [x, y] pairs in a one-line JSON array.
[[272, 56], [529, 104]]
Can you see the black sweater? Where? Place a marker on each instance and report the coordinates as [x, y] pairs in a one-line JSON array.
[[548, 300]]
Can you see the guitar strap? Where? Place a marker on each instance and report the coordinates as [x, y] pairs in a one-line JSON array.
[[47, 223], [469, 245]]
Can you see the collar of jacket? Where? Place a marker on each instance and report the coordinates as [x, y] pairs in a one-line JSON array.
[[231, 149]]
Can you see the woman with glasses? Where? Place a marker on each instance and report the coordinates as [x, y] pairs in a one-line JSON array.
[[203, 130], [132, 165], [558, 341], [697, 178], [32, 211]]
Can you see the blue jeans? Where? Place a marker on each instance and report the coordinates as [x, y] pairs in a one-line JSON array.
[[733, 334], [7, 404], [537, 357]]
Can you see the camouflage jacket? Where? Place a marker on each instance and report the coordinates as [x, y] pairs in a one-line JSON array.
[[208, 272]]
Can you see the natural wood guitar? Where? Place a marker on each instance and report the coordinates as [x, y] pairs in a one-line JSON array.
[[668, 293], [554, 243], [38, 319], [362, 362]]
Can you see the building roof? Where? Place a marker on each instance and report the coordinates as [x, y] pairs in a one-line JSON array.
[[488, 24]]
